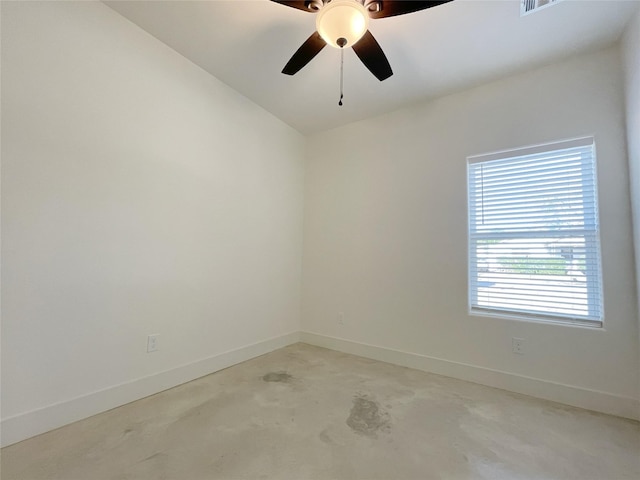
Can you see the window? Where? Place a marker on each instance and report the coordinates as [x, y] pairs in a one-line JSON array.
[[534, 243]]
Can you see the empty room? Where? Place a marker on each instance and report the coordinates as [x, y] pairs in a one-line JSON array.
[[320, 239]]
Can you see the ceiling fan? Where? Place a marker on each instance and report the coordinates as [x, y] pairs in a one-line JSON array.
[[344, 23]]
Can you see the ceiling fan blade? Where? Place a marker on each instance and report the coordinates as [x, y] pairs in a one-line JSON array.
[[369, 51], [304, 54], [299, 4], [391, 8]]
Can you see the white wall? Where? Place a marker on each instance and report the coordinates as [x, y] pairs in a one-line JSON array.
[[631, 58], [386, 237], [140, 196]]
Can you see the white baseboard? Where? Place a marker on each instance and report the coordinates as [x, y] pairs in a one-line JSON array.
[[598, 401], [25, 425]]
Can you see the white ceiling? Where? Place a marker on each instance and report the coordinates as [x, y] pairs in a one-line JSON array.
[[245, 43]]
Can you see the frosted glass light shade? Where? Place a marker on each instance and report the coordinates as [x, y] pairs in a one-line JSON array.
[[346, 19]]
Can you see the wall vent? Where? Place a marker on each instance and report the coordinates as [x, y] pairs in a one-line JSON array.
[[528, 6]]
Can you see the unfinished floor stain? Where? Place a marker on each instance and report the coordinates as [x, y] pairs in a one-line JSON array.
[[278, 377], [366, 417]]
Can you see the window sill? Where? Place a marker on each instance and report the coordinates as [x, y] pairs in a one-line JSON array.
[[560, 321]]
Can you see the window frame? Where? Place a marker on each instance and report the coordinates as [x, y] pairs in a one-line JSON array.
[[533, 316]]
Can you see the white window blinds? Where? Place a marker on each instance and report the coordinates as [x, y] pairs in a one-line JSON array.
[[533, 233]]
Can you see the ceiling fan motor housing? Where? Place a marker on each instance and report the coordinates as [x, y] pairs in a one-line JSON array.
[[370, 5], [314, 5]]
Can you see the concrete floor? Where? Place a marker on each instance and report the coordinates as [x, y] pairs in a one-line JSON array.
[[304, 412]]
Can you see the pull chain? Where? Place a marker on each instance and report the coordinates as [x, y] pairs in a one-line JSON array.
[[341, 74], [341, 43]]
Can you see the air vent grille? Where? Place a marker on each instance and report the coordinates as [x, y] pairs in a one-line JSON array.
[[528, 6]]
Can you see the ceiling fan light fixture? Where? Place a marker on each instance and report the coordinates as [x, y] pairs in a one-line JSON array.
[[341, 23]]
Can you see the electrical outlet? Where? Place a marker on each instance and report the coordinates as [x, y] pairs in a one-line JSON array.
[[340, 318], [517, 345], [152, 343]]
